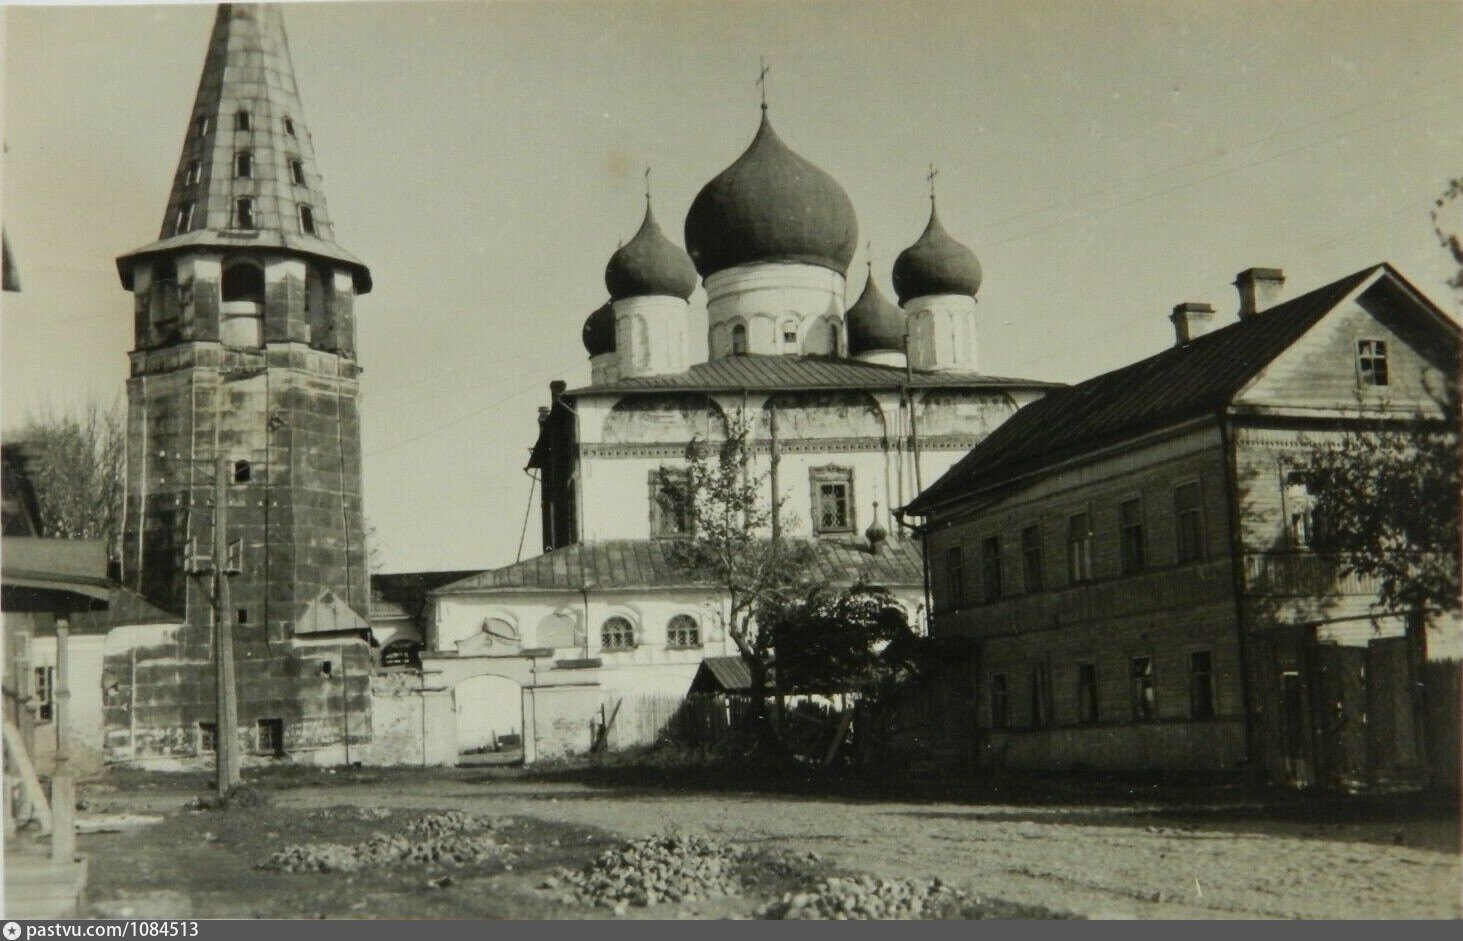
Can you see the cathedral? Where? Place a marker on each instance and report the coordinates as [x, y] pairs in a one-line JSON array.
[[851, 408]]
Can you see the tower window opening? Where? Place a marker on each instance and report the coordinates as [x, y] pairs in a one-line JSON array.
[[243, 121], [241, 616], [202, 125], [183, 221], [243, 472], [739, 339], [244, 213], [243, 282], [297, 172], [194, 173], [307, 220], [289, 126], [244, 165]]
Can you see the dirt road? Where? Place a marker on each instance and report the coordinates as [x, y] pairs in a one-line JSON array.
[[1101, 861]]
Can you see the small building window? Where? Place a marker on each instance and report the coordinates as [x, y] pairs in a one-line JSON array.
[[990, 567], [1300, 510], [243, 121], [45, 685], [269, 736], [202, 125], [1000, 702], [832, 500], [244, 213], [790, 334], [194, 173], [207, 734], [1031, 557], [683, 632], [1144, 691], [244, 165], [307, 220], [955, 576], [1371, 362], [1201, 685], [1189, 522], [1041, 713], [402, 652], [1130, 533], [289, 126], [1087, 692], [617, 633], [739, 339], [1079, 547], [183, 220], [243, 472], [670, 502], [241, 616], [297, 172]]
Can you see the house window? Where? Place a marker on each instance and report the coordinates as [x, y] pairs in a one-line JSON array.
[[244, 165], [202, 124], [739, 339], [1201, 685], [683, 632], [833, 499], [269, 736], [45, 684], [194, 172], [1079, 547], [1145, 694], [1087, 692], [1371, 362], [1300, 511], [297, 172], [1000, 702], [207, 737], [183, 221], [1130, 533], [617, 633], [243, 121], [670, 502], [990, 567], [1041, 714], [1031, 557], [955, 577], [244, 213], [1189, 522], [307, 220], [289, 126]]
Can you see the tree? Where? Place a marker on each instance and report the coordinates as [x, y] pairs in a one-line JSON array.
[[733, 543], [1446, 228], [837, 640], [76, 463]]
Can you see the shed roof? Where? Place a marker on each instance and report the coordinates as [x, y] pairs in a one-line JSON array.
[[722, 675]]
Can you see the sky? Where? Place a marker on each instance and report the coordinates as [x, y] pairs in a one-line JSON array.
[[1105, 160]]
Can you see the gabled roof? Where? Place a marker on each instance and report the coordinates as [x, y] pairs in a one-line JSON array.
[[776, 373], [328, 614], [722, 675], [403, 594], [1182, 383], [649, 563]]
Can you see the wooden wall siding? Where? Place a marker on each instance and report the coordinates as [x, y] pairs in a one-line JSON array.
[[1319, 371], [1187, 746]]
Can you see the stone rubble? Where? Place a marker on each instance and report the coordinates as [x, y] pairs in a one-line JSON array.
[[867, 897], [446, 839], [657, 869]]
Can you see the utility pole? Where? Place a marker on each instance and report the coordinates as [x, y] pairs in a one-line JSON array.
[[226, 731], [913, 426], [63, 789]]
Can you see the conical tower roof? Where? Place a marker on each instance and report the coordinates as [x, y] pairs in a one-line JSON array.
[[650, 264], [248, 140], [936, 264]]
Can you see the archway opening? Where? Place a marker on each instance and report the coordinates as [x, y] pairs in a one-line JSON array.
[[489, 711]]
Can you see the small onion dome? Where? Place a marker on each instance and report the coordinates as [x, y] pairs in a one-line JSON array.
[[599, 331], [650, 264], [936, 264], [771, 205], [873, 322]]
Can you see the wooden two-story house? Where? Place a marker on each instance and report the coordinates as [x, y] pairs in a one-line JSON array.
[[1129, 562]]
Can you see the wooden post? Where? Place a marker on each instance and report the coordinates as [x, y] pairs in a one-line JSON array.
[[913, 427], [774, 460], [226, 741], [63, 792]]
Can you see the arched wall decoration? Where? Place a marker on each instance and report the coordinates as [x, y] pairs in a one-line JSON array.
[[959, 412], [664, 418], [822, 415]]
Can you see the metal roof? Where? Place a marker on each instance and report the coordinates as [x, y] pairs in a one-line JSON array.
[[722, 675], [649, 563], [774, 372]]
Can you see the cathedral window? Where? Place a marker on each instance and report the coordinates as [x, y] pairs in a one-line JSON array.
[[832, 500], [739, 339], [244, 165], [307, 220], [243, 121], [289, 126], [670, 502], [617, 633], [244, 213], [297, 172], [683, 632], [833, 338]]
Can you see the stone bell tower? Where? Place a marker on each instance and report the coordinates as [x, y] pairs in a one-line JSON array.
[[245, 349]]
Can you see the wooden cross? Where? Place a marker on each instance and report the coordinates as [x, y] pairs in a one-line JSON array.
[[762, 79]]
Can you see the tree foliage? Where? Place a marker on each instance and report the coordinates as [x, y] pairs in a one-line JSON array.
[[834, 640], [76, 462]]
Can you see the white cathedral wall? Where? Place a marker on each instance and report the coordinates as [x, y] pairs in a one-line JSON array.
[[769, 299], [942, 332], [650, 335]]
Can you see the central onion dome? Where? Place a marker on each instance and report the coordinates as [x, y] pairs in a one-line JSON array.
[[771, 205], [599, 330], [650, 264], [874, 323], [935, 264]]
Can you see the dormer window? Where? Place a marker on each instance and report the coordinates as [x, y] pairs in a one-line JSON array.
[[194, 173], [307, 220], [289, 126], [1371, 362], [244, 213], [244, 165], [183, 220], [297, 172], [243, 121], [202, 125]]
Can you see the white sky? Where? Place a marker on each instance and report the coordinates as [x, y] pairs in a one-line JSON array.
[[1106, 160]]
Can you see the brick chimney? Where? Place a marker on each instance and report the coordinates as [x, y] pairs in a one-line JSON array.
[[1259, 289], [1191, 320]]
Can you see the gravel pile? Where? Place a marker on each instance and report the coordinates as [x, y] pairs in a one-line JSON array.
[[448, 839], [658, 869], [867, 897]]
